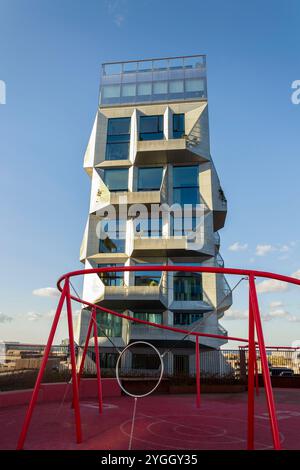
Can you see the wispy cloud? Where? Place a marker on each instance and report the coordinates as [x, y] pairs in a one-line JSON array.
[[116, 9], [46, 292], [283, 249], [237, 246], [34, 316], [5, 318], [262, 250], [235, 314], [271, 285]]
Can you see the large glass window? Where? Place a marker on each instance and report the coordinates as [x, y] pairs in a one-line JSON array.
[[147, 278], [152, 317], [178, 126], [118, 138], [151, 128], [148, 228], [186, 318], [113, 237], [116, 179], [145, 361], [149, 179], [187, 286], [185, 185], [109, 325], [108, 360], [112, 278]]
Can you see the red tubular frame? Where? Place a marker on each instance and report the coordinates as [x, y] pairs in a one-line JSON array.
[[254, 323], [197, 354], [99, 385]]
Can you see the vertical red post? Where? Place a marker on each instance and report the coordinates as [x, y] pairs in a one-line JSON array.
[[251, 360], [256, 375], [37, 385], [99, 385], [86, 345], [264, 365], [73, 364], [198, 398]]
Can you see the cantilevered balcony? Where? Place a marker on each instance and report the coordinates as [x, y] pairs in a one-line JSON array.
[[166, 151]]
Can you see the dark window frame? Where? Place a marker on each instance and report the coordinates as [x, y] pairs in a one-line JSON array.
[[158, 134]]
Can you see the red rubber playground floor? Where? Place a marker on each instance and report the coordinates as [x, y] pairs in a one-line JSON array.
[[163, 422]]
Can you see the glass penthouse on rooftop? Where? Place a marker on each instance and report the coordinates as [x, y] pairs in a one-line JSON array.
[[155, 80]]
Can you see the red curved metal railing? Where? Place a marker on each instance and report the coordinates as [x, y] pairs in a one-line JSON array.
[[254, 326]]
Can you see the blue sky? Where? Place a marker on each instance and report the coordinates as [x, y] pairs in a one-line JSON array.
[[50, 56]]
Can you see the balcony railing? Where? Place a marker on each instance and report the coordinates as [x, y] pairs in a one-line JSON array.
[[154, 80]]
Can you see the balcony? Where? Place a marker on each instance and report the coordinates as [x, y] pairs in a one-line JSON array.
[[166, 151], [133, 297], [136, 197], [155, 80]]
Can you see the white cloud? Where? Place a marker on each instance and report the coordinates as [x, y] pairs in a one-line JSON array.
[[46, 292], [5, 318], [235, 314], [33, 316], [271, 285], [276, 304], [262, 250], [296, 274], [237, 246], [118, 20]]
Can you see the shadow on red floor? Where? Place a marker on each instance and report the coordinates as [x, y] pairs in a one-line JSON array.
[[162, 422]]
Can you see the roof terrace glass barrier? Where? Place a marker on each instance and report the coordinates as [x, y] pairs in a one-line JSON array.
[[156, 80]]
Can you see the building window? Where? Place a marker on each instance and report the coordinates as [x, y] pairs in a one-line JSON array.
[[178, 126], [118, 138], [109, 325], [147, 278], [113, 237], [185, 185], [186, 318], [151, 128], [145, 361], [148, 228], [112, 279], [108, 360], [187, 286], [149, 179], [152, 317], [183, 226], [116, 179]]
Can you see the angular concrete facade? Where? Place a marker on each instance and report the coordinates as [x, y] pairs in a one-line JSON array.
[[163, 105]]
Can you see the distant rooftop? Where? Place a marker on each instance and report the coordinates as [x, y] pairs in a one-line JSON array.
[[153, 80]]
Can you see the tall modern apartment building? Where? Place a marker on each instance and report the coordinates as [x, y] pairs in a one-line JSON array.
[[150, 147]]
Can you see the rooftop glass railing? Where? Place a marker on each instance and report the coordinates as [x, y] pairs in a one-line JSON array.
[[155, 80]]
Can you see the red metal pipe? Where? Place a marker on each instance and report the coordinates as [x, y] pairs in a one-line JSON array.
[[198, 400], [73, 365], [256, 376], [264, 364], [86, 345], [170, 268], [99, 385], [38, 381], [251, 352]]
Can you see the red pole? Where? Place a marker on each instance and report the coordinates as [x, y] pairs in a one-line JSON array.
[[86, 345], [251, 352], [256, 376], [99, 385], [198, 399], [37, 385], [264, 365], [73, 365]]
